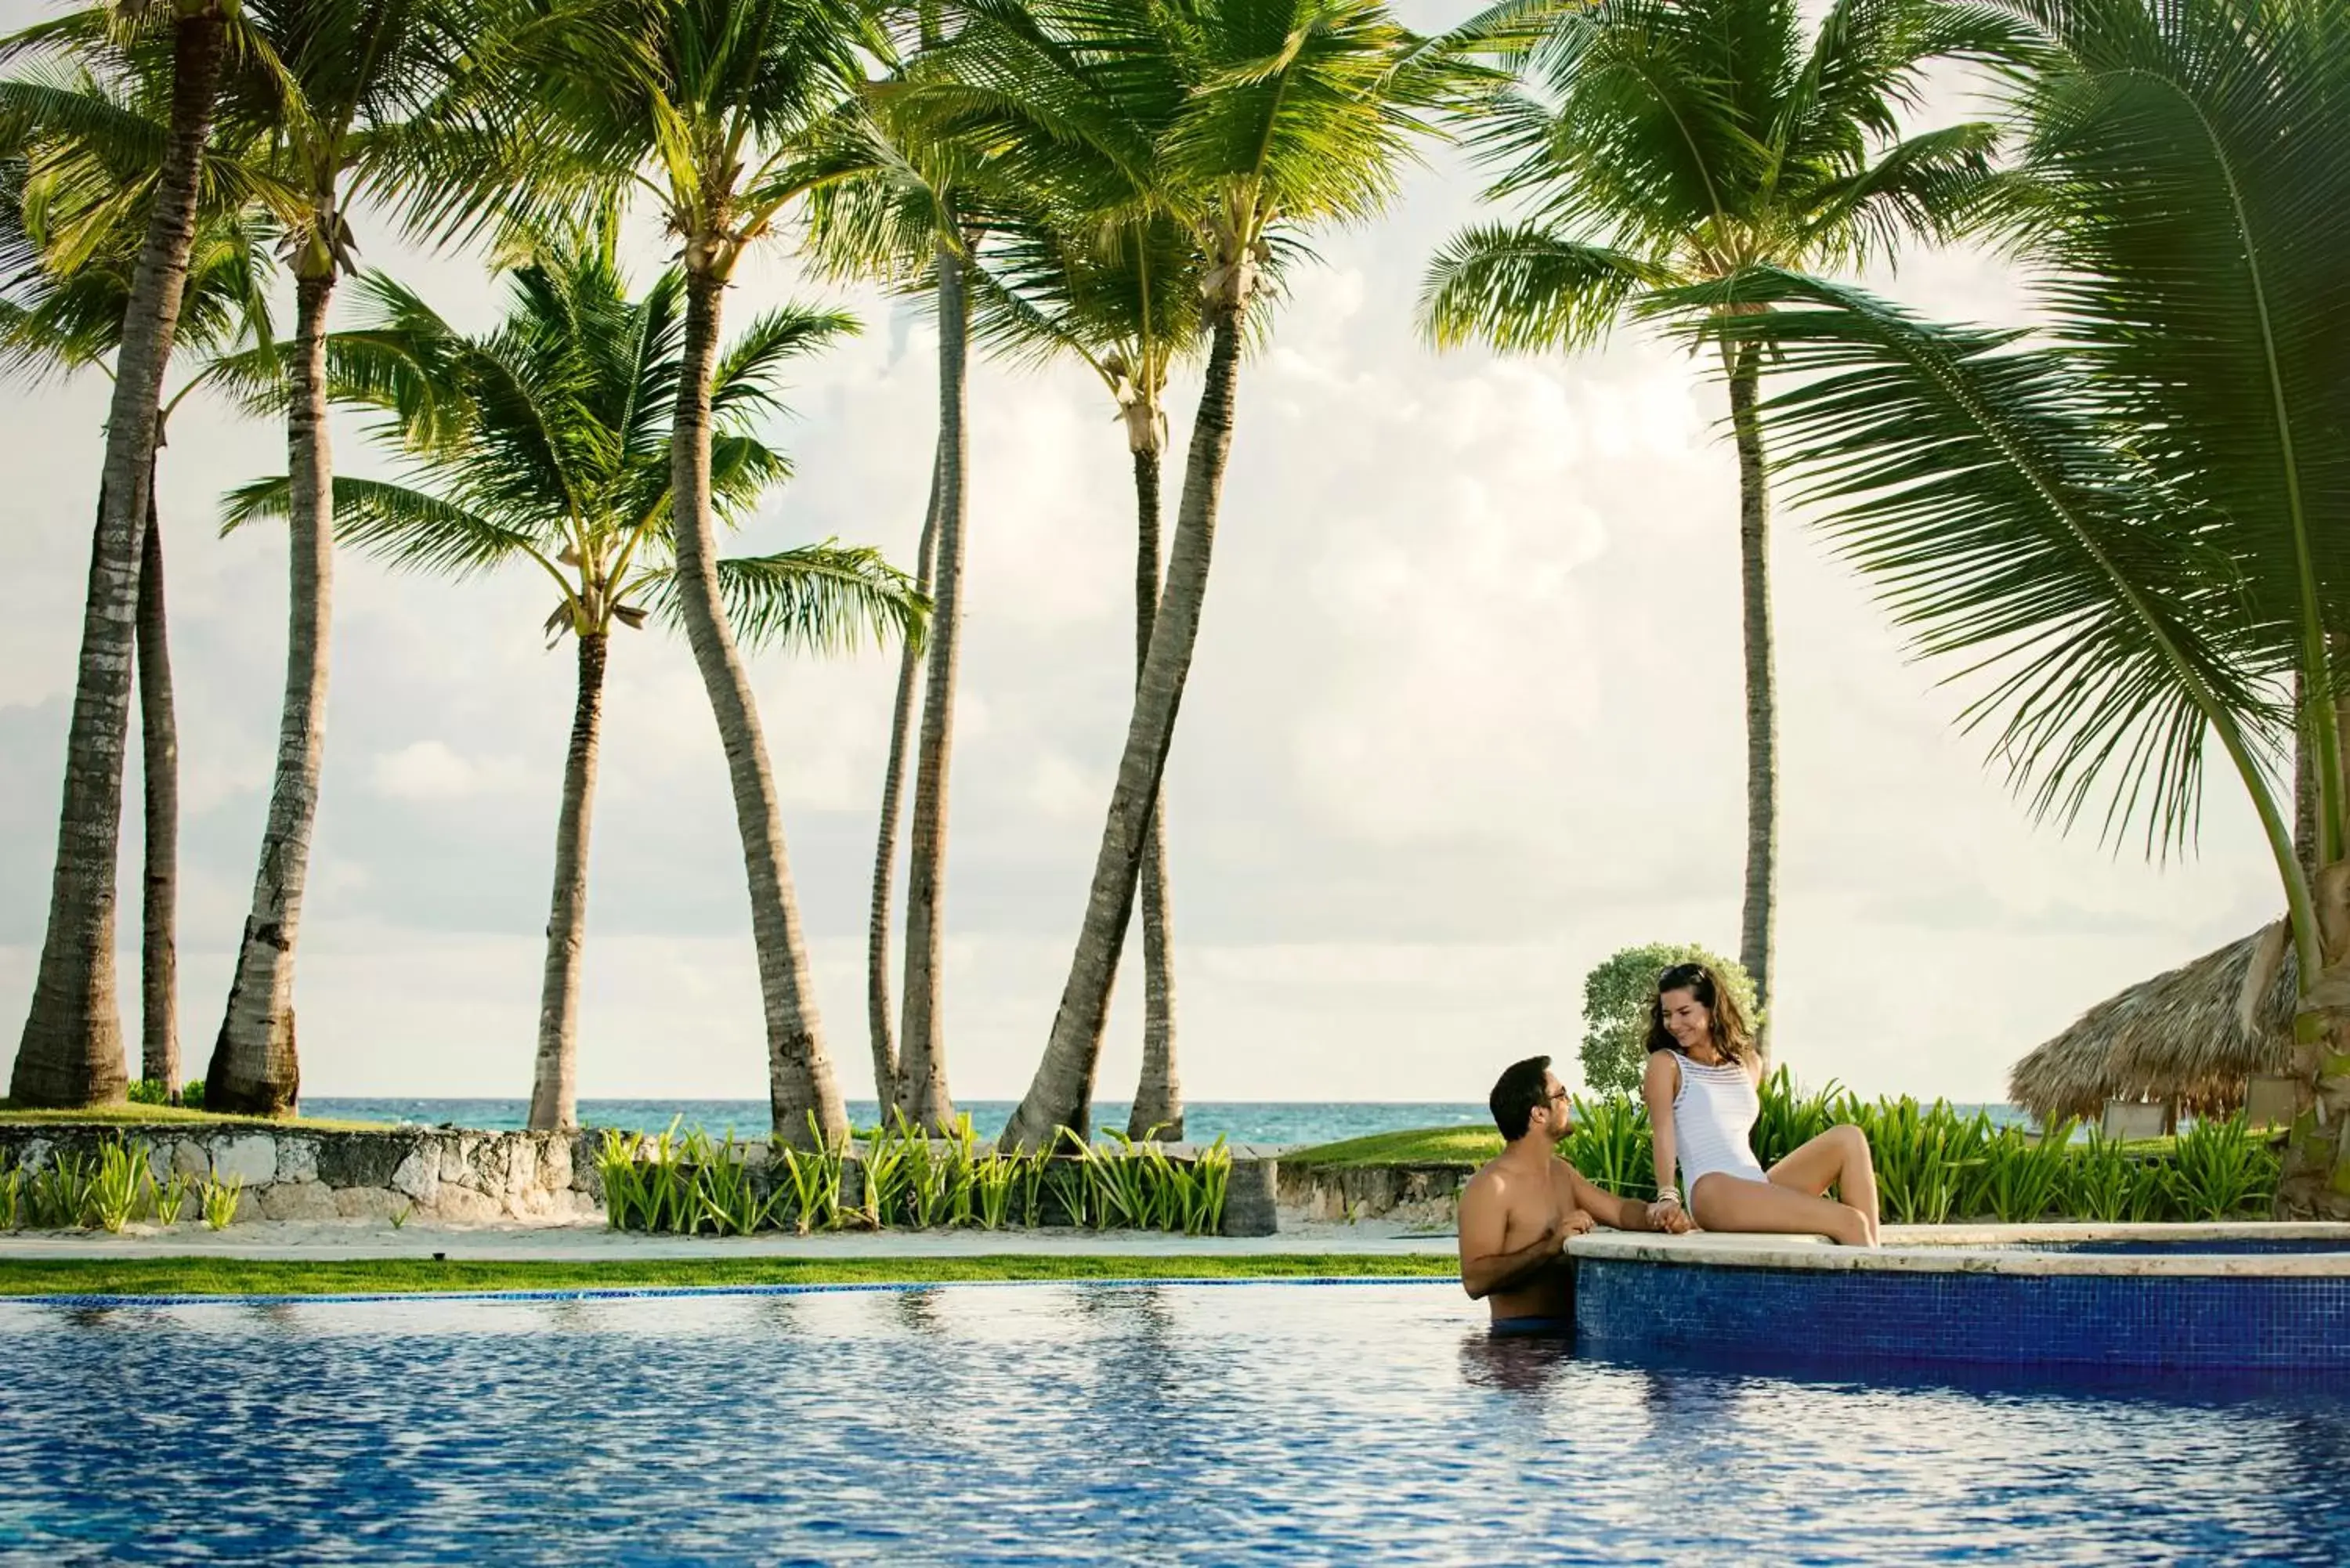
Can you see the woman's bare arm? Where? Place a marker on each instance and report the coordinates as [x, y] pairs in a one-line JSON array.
[[1659, 1085]]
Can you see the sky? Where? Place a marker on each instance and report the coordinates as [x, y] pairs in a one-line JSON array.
[[1466, 717]]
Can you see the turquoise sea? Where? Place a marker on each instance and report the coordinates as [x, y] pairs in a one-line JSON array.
[[1241, 1121]]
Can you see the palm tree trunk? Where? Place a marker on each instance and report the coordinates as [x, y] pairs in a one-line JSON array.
[[2315, 1178], [71, 1053], [255, 1068], [555, 1084], [800, 1082], [1757, 923], [878, 918], [922, 1061], [1158, 1108], [159, 734], [2304, 784], [1061, 1094]]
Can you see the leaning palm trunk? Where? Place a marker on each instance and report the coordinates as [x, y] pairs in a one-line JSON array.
[[1158, 1110], [159, 734], [554, 1084], [71, 1050], [1061, 1094], [1757, 923], [879, 1023], [256, 1069], [800, 1081], [922, 1060]]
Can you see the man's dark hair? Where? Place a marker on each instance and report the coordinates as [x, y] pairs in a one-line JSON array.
[[1515, 1095]]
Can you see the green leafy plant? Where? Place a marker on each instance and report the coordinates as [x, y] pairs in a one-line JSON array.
[[2022, 1177], [2220, 1169], [11, 1196], [1607, 1141], [60, 1193], [1788, 1120], [172, 1197], [217, 1199], [2104, 1183], [1926, 1156], [400, 1215], [149, 1092], [886, 1176], [122, 1185], [815, 1176], [1616, 995]]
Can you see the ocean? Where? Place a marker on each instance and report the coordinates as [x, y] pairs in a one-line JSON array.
[[1239, 1121]]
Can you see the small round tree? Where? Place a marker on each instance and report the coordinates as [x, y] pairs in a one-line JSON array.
[[1616, 998]]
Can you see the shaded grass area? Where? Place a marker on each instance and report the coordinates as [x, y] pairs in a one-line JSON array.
[[296, 1276], [176, 1118], [1466, 1146]]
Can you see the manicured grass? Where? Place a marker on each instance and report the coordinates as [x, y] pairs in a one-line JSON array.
[[1468, 1147], [272, 1276], [175, 1116]]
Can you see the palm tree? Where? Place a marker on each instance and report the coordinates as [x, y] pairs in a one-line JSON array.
[[1248, 122], [1663, 142], [1126, 304], [707, 109], [546, 444], [2132, 530], [341, 86], [71, 1053], [888, 201], [87, 157]]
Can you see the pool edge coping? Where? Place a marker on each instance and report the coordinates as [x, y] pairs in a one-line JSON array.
[[1991, 1249]]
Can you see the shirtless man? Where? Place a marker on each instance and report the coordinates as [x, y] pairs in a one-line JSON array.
[[1517, 1213]]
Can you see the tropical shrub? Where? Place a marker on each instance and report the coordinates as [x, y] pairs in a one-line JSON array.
[[1615, 999], [1608, 1141], [2221, 1168]]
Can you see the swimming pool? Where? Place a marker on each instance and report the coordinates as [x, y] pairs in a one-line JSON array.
[[1260, 1422]]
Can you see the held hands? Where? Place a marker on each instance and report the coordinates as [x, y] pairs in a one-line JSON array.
[[1667, 1215], [1574, 1224]]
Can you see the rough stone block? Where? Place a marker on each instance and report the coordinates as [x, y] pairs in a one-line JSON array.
[[464, 1206], [554, 1162], [250, 1158], [419, 1176], [522, 1168], [298, 1159], [296, 1200], [189, 1158], [1249, 1198], [361, 1159], [371, 1203], [456, 1155]]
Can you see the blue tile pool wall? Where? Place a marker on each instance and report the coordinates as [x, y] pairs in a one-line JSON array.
[[2018, 1320]]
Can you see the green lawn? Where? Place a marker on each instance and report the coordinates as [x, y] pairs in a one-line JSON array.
[[1468, 1147], [176, 1116], [272, 1276]]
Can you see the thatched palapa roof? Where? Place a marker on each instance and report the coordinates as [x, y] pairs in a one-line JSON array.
[[2178, 1036]]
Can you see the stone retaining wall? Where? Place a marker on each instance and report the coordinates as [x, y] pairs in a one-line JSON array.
[[1426, 1195], [428, 1173]]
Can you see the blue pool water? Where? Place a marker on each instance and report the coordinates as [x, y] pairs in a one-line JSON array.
[[1259, 1423]]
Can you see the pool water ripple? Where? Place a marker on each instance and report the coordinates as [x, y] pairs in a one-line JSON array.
[[1049, 1423]]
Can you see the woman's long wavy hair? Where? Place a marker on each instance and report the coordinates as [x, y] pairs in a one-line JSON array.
[[1732, 1036]]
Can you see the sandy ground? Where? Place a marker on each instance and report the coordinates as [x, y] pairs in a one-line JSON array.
[[333, 1238]]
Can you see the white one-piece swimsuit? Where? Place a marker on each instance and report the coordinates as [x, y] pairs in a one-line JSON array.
[[1713, 1122]]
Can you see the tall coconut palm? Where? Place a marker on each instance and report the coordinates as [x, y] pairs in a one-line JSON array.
[[341, 86], [2135, 531], [1246, 121], [1126, 304], [86, 153], [888, 201], [546, 444], [708, 109], [71, 1053], [1661, 142]]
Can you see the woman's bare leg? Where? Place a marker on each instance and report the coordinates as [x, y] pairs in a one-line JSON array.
[[1838, 1157], [1721, 1202]]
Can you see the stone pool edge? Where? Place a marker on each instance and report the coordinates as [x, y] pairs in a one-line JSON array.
[[1989, 1250]]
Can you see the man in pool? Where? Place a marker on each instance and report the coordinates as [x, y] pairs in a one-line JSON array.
[[1517, 1214]]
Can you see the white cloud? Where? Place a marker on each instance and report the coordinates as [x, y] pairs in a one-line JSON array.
[[433, 771]]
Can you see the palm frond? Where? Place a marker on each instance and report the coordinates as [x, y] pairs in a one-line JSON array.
[[817, 598], [1524, 288], [406, 528]]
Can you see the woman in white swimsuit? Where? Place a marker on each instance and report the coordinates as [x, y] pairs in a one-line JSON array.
[[1702, 1092]]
